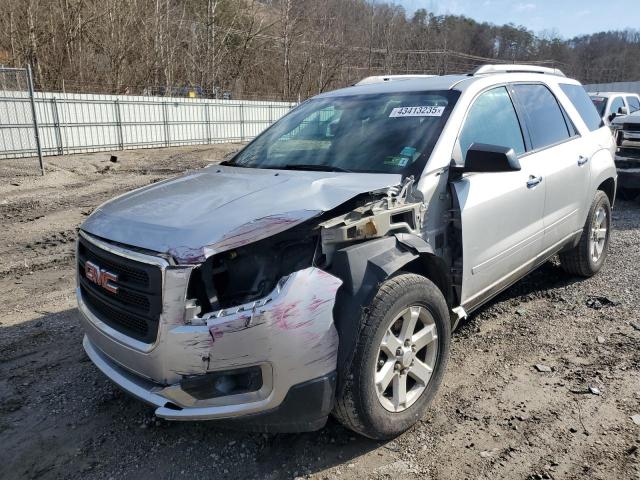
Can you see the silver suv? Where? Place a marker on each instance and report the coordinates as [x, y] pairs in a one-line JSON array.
[[322, 269]]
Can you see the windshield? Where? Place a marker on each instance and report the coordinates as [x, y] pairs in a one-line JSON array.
[[381, 133], [600, 103]]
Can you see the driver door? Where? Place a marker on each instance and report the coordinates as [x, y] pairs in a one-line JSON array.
[[501, 212]]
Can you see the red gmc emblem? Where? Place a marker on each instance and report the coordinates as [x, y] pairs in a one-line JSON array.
[[101, 277]]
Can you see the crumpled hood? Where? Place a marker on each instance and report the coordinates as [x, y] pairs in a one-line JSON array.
[[219, 208]]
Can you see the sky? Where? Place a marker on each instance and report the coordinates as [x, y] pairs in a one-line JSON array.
[[568, 18]]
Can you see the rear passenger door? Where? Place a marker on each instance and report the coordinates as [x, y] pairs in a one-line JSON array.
[[501, 212], [560, 155]]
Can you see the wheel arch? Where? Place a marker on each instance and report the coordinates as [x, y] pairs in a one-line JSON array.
[[435, 269], [603, 175], [608, 186], [363, 267]]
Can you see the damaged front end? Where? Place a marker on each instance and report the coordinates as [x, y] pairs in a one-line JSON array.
[[248, 326], [249, 272]]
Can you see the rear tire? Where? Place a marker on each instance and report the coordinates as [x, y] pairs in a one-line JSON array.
[[406, 328], [586, 258]]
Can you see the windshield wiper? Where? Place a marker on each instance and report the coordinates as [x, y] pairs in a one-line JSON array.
[[313, 167]]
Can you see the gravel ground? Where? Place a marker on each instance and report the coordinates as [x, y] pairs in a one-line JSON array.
[[496, 416]]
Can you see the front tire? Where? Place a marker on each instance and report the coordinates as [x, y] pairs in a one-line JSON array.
[[399, 360], [586, 258]]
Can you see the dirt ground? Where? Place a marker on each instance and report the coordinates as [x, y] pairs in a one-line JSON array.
[[496, 415]]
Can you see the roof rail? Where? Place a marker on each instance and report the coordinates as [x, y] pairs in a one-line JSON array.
[[508, 68], [389, 78]]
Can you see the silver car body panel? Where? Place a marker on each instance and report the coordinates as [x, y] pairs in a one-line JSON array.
[[501, 211], [220, 208]]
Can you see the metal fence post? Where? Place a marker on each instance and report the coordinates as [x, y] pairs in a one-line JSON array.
[[36, 130], [167, 139], [56, 125], [119, 124], [207, 122], [241, 123]]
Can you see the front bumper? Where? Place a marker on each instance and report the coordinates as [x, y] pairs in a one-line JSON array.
[[628, 167], [305, 407], [290, 336]]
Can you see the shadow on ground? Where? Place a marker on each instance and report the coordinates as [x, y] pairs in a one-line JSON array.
[[59, 417]]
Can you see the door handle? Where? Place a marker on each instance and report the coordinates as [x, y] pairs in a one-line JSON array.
[[533, 181], [582, 160]]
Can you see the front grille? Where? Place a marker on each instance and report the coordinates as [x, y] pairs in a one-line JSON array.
[[629, 152], [631, 127], [136, 306]]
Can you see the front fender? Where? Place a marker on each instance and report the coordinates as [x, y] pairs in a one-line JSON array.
[[362, 268]]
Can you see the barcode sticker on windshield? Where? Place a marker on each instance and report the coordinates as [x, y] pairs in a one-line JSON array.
[[422, 111]]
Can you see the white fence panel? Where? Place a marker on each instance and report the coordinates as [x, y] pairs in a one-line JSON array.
[[77, 123], [627, 87]]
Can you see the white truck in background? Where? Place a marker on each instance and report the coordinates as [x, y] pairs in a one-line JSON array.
[[615, 104]]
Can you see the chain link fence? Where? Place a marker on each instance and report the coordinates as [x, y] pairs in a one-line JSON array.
[[19, 132], [42, 123]]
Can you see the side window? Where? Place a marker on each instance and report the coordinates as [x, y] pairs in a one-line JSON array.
[[493, 120], [583, 104], [634, 104], [544, 118], [616, 104]]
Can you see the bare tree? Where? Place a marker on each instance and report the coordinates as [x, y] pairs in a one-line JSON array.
[[275, 48]]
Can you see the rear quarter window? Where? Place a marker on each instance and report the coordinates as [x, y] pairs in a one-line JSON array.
[[583, 104]]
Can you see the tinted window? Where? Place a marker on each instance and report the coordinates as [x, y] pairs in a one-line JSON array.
[[616, 104], [492, 119], [584, 105], [544, 117], [634, 104]]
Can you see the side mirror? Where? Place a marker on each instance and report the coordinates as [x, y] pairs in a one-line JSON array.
[[482, 157]]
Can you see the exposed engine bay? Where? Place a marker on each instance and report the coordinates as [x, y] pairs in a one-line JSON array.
[[250, 272]]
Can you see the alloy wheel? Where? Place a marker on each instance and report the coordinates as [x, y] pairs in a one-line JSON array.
[[598, 234], [406, 358]]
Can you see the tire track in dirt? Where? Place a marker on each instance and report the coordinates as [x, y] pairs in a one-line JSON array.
[[496, 416]]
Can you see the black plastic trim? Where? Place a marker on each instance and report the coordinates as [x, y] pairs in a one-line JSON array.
[[362, 267], [305, 408]]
